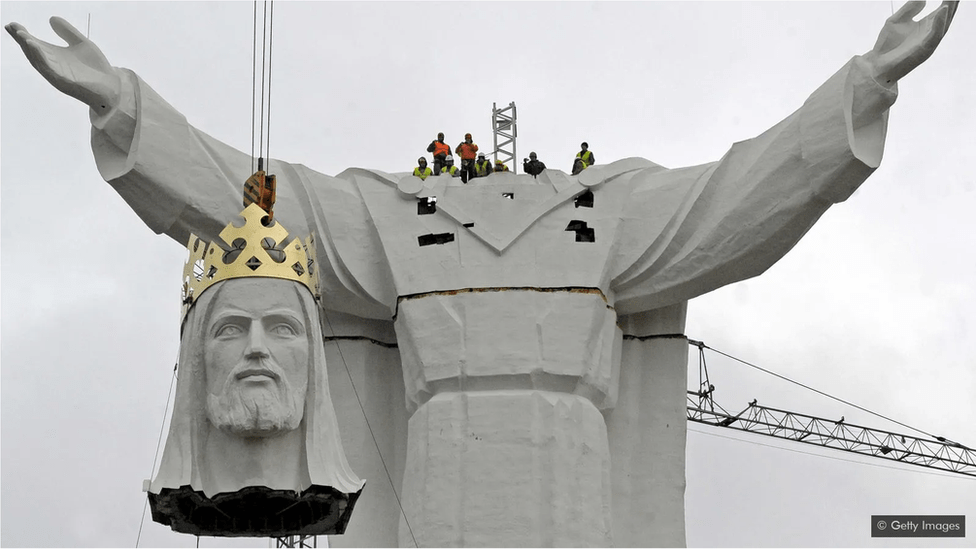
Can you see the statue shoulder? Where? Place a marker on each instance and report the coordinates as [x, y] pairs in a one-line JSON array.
[[600, 173]]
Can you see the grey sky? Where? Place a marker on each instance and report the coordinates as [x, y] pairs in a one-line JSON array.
[[875, 305]]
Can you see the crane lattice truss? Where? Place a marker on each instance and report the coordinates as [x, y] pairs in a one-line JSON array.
[[297, 541], [940, 453], [504, 129]]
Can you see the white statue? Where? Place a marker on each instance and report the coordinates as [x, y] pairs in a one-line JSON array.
[[540, 336]]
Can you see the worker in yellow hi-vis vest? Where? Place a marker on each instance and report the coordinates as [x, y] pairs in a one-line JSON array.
[[422, 171], [449, 167], [584, 159], [482, 168]]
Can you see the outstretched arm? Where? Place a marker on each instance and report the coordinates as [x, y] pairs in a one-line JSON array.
[[176, 178], [179, 180], [719, 223]]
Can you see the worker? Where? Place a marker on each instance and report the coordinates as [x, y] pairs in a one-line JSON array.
[[449, 167], [441, 150], [532, 165], [482, 168], [578, 165], [422, 171], [500, 166], [586, 155], [467, 149]]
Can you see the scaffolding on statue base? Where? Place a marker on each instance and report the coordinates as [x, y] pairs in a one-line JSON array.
[[504, 131]]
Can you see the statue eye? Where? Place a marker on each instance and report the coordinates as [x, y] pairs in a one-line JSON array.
[[283, 330], [229, 330]]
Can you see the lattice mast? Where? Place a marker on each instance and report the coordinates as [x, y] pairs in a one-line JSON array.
[[504, 131]]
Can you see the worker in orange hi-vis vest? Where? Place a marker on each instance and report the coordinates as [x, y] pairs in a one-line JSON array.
[[440, 150], [467, 151]]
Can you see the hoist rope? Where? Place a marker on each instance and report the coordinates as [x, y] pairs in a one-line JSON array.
[[838, 399], [267, 42], [254, 56], [267, 148], [264, 49], [371, 434], [152, 471]]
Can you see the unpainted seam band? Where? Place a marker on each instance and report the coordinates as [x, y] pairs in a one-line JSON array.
[[360, 338], [566, 289], [656, 336]]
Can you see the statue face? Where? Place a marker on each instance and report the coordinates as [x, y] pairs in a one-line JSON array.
[[256, 357]]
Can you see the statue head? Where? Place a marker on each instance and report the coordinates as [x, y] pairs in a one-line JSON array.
[[253, 427], [256, 354]]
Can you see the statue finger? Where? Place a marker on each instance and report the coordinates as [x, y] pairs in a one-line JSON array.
[[66, 31], [952, 7], [19, 33], [32, 46], [14, 28], [936, 29], [907, 12]]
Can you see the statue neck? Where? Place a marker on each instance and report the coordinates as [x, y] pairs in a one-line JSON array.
[[234, 462]]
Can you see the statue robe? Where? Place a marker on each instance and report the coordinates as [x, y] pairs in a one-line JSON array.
[[520, 283]]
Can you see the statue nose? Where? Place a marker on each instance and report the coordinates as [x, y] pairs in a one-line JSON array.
[[257, 346]]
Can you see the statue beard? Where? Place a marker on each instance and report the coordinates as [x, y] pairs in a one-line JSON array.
[[257, 410]]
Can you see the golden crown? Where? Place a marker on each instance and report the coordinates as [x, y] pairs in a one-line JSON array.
[[254, 250]]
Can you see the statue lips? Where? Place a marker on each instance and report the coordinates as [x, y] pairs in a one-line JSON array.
[[257, 374]]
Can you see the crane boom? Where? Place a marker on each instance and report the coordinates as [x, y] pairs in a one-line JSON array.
[[941, 453]]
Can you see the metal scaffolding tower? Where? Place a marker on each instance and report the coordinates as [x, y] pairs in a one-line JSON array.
[[504, 130]]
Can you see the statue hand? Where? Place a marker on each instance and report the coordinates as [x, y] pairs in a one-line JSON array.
[[905, 43], [79, 70]]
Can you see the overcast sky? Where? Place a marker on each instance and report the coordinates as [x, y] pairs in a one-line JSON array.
[[877, 304]]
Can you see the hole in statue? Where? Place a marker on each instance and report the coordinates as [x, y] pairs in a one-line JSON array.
[[426, 206], [585, 200], [510, 196], [583, 233], [441, 238]]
